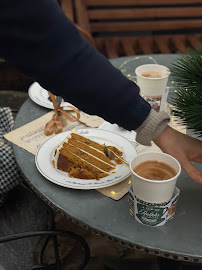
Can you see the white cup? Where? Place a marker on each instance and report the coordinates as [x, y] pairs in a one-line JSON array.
[[152, 87], [154, 191]]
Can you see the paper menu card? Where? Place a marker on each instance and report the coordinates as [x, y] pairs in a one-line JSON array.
[[31, 136]]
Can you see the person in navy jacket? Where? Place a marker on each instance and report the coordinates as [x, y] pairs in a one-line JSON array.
[[38, 39]]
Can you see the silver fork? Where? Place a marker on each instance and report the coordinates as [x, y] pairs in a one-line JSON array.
[[110, 154]]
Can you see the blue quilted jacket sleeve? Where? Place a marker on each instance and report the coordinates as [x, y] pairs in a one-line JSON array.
[[38, 39]]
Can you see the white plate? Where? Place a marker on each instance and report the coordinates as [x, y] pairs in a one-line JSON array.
[[44, 158], [40, 96]]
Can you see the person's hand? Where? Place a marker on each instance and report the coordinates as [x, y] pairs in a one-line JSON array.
[[184, 148]]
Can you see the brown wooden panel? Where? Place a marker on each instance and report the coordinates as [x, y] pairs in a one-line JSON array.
[[67, 7], [139, 2], [86, 34], [82, 16], [179, 43], [162, 44], [99, 43], [145, 26], [111, 48], [146, 45], [144, 13], [194, 41], [128, 47]]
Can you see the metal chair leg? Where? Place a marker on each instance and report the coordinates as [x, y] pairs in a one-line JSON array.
[[52, 234]]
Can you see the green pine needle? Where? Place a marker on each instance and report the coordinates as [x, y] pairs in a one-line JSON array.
[[187, 73]]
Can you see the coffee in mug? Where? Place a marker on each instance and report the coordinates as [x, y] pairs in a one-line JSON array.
[[152, 74], [154, 170]]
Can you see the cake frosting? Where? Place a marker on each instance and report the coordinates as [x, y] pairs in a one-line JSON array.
[[84, 158]]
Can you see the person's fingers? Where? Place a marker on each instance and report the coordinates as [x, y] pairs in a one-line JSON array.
[[192, 172], [197, 159]]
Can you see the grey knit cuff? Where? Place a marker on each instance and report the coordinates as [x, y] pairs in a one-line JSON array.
[[152, 127]]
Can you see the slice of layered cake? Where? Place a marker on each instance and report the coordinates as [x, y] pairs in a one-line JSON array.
[[84, 158]]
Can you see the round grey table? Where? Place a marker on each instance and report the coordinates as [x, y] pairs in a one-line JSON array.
[[179, 239]]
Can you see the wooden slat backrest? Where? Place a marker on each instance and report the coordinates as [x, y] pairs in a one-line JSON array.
[[67, 6], [142, 26], [82, 16], [139, 2], [128, 27], [104, 16], [194, 41], [161, 12]]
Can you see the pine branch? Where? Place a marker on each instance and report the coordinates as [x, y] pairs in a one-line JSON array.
[[187, 72]]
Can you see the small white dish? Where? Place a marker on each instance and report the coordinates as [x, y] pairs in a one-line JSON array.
[[44, 159], [40, 96]]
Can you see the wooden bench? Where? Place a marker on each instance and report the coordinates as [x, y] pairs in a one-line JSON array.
[[68, 8], [130, 27]]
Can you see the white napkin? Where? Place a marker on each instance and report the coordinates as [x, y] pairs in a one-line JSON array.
[[130, 135]]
